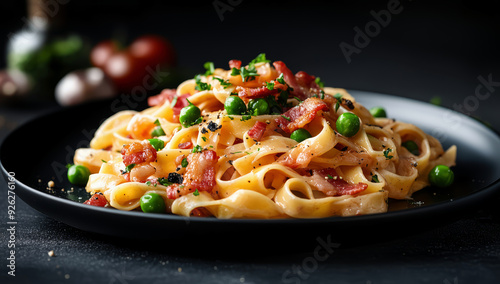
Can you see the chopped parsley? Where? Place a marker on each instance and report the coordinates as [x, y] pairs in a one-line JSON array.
[[270, 86], [337, 96], [260, 58], [196, 192], [230, 117], [245, 117], [103, 161], [163, 181], [184, 162], [210, 68], [246, 74], [330, 177], [280, 79], [298, 99], [223, 83], [201, 86], [157, 122], [386, 153], [375, 179], [204, 138], [197, 149], [172, 104], [158, 144], [318, 81], [286, 117], [129, 168], [148, 183], [322, 94]]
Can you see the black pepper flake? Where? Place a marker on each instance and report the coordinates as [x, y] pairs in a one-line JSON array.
[[349, 104], [178, 191], [344, 149], [230, 162], [175, 178], [204, 130], [212, 126]]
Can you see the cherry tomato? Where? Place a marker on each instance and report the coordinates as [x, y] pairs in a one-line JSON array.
[[125, 71], [153, 50], [101, 53], [128, 68], [97, 199]]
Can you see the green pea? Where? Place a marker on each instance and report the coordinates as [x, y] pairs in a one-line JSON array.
[[235, 105], [78, 174], [152, 203], [441, 176], [348, 124], [258, 107], [189, 115], [157, 131], [300, 135], [411, 146], [378, 112]]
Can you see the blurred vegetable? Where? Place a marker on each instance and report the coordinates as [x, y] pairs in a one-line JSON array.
[[143, 63], [13, 84], [83, 85], [46, 61], [101, 53]]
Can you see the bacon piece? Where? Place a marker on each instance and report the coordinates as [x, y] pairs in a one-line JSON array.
[[181, 103], [254, 93], [169, 94], [200, 172], [304, 85], [165, 94], [257, 130], [138, 152], [301, 115], [306, 80], [185, 145], [200, 175], [330, 183], [234, 64]]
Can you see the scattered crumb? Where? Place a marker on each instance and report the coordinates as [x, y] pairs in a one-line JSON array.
[[66, 276], [242, 279], [51, 253], [215, 267], [179, 269], [39, 180], [51, 184]]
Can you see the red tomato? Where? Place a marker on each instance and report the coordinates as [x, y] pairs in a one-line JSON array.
[[97, 200], [127, 68], [101, 53], [125, 71], [153, 50]]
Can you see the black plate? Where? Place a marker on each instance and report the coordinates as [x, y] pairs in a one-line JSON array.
[[39, 150]]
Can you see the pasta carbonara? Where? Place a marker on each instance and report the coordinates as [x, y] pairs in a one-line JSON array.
[[282, 153]]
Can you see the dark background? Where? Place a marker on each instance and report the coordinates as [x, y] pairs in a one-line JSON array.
[[430, 49]]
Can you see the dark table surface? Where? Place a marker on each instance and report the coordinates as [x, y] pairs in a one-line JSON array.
[[427, 50]]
